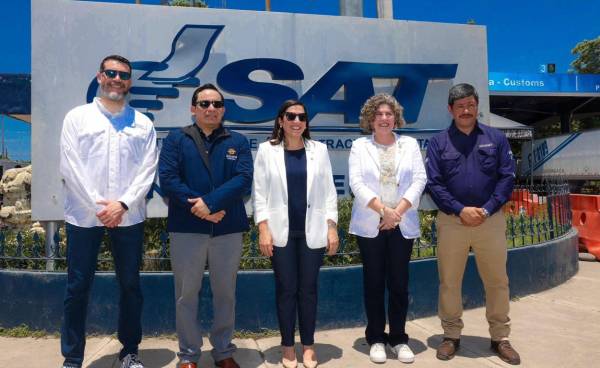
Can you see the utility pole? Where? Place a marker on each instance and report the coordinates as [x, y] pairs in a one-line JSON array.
[[385, 9], [351, 8], [268, 5]]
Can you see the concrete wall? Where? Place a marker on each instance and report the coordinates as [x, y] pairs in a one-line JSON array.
[[35, 298]]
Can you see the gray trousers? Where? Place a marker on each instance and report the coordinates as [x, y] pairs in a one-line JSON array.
[[189, 254]]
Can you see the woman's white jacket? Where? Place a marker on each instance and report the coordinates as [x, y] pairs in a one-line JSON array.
[[270, 195], [364, 175]]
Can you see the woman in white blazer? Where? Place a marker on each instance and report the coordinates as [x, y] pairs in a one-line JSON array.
[[295, 208], [387, 178]]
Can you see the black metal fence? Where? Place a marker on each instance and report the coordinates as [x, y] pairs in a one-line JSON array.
[[535, 214]]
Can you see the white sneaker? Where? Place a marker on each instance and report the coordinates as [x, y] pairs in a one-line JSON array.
[[377, 353], [131, 361], [405, 355]]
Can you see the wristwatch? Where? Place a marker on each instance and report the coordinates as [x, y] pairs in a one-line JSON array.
[[382, 211], [485, 212], [124, 205]]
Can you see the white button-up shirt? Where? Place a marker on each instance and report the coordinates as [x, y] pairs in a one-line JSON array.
[[99, 162]]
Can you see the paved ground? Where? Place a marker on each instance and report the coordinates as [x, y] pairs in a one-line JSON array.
[[556, 328]]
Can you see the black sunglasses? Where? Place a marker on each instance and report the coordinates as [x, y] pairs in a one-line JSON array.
[[290, 116], [112, 74], [206, 103]]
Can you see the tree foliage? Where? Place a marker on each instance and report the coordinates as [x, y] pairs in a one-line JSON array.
[[588, 57]]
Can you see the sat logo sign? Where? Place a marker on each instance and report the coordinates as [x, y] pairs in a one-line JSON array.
[[257, 59], [184, 62]]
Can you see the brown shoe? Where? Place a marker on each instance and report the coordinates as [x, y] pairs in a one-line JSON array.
[[188, 365], [447, 348], [506, 352], [227, 363]]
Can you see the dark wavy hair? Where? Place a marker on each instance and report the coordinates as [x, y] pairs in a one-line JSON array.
[[277, 135]]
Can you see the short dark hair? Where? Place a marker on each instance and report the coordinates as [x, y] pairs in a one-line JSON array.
[[118, 58], [202, 88], [277, 134], [460, 91]]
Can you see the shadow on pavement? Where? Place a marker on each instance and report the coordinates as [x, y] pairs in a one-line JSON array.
[[470, 346], [152, 358], [325, 353], [361, 346]]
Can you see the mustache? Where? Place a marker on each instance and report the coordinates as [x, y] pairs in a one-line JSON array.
[[116, 84], [466, 116]]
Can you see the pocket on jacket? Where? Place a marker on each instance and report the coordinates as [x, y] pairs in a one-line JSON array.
[[278, 224], [487, 159], [450, 163], [316, 224]]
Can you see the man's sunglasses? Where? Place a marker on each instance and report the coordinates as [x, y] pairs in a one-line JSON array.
[[206, 103], [112, 74], [290, 116]]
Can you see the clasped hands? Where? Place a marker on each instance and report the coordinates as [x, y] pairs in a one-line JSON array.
[[472, 216], [112, 213], [391, 218], [201, 210]]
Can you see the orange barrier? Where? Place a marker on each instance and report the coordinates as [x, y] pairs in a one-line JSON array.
[[586, 218], [523, 202]]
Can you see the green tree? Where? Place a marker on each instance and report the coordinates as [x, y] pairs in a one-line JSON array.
[[188, 3], [588, 57]]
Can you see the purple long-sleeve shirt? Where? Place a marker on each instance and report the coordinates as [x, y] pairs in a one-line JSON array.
[[474, 170]]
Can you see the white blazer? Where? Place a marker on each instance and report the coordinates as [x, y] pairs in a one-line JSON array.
[[363, 165], [270, 196]]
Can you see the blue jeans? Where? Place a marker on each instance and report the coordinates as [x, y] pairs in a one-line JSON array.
[[296, 269], [83, 244]]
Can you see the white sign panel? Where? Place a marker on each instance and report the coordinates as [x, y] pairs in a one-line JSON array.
[[258, 59]]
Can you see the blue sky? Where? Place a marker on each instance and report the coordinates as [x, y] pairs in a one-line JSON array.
[[521, 34]]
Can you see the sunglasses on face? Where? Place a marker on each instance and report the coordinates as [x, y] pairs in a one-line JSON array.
[[290, 116], [112, 74], [206, 103]]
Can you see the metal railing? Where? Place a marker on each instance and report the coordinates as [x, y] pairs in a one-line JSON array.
[[535, 214]]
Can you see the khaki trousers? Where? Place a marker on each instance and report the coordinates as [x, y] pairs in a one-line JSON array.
[[488, 242]]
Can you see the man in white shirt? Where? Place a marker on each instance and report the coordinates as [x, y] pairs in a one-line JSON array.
[[108, 164]]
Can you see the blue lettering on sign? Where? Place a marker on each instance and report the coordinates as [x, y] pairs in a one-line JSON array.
[[538, 154], [357, 80], [178, 70], [340, 184], [234, 79]]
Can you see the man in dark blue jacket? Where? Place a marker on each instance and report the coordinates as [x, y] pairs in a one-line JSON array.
[[205, 170], [470, 172]]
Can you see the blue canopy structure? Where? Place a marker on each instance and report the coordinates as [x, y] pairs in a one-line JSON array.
[[15, 96]]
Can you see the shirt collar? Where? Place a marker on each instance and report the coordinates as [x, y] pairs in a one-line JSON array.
[[453, 130], [215, 133], [119, 120]]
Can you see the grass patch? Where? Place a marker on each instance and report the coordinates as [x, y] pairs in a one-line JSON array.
[[24, 331], [255, 335]]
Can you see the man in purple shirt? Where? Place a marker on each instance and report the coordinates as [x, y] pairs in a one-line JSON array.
[[470, 171]]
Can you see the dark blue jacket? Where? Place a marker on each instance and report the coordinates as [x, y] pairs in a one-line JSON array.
[[475, 170], [222, 177]]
